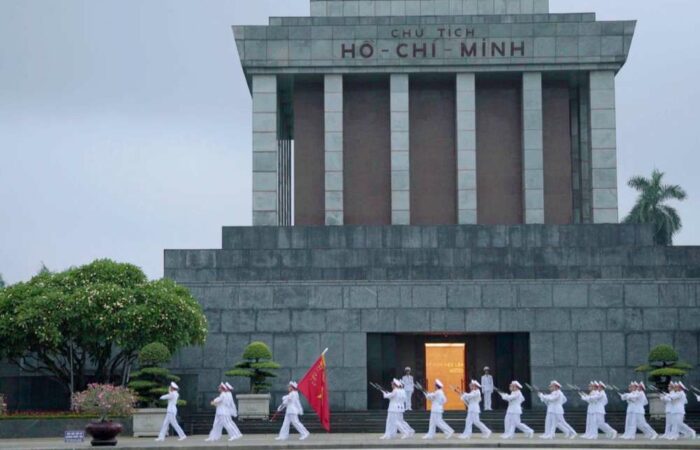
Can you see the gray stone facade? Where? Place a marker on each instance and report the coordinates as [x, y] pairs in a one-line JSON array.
[[594, 299]]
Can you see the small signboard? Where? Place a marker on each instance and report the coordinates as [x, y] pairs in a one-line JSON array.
[[72, 436]]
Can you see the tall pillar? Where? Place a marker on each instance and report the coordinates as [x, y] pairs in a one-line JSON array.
[[466, 148], [400, 161], [533, 148], [333, 126], [265, 151], [603, 147]]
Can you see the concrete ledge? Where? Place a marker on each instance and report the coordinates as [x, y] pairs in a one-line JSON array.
[[47, 428]]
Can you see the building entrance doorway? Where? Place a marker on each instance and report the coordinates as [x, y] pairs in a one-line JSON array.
[[445, 362], [454, 358]]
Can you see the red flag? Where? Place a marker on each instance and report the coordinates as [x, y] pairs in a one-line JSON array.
[[314, 386]]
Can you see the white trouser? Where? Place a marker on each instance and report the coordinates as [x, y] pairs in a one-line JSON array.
[[436, 421], [512, 422], [594, 423], [636, 421], [393, 419], [473, 420], [487, 400], [668, 428], [407, 402], [292, 419], [553, 422], [222, 421], [679, 426], [404, 427], [170, 421]]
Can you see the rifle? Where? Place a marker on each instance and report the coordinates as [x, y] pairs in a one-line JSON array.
[[694, 389], [378, 387], [533, 388], [277, 413], [457, 391], [420, 388]]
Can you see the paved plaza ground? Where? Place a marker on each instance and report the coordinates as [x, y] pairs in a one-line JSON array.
[[355, 441]]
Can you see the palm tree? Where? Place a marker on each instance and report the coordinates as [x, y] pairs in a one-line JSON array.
[[651, 208]]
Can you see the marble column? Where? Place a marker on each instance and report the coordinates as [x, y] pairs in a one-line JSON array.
[[533, 148], [333, 151], [603, 147], [265, 151], [466, 149], [400, 168]]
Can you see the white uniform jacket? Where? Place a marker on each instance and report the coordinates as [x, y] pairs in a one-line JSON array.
[[596, 402], [171, 397], [395, 398], [487, 383], [472, 400], [555, 402], [678, 402], [292, 404], [635, 402], [221, 404], [515, 401], [438, 400], [232, 410], [408, 384]]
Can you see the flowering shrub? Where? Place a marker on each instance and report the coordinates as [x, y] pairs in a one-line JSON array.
[[104, 400]]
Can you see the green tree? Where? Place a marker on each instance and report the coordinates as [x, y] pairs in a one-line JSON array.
[[651, 206], [257, 365], [151, 380], [664, 365], [43, 270], [96, 317], [2, 282]]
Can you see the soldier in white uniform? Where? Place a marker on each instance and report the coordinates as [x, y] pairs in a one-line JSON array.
[[233, 412], [554, 420], [595, 418], [669, 431], [404, 428], [472, 400], [636, 401], [408, 387], [223, 417], [171, 414], [515, 410], [678, 402], [293, 409], [437, 407], [395, 410], [487, 388]]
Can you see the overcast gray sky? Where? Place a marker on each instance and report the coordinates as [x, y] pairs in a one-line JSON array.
[[125, 124]]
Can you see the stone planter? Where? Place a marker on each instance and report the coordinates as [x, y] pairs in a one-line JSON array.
[[253, 406], [41, 428], [657, 407], [147, 422], [104, 434]]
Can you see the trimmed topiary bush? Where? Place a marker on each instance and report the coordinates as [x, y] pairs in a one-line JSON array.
[[258, 366], [152, 381], [664, 365]]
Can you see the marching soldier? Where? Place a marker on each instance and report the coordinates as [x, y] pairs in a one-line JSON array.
[[171, 414], [472, 400], [293, 409], [670, 432], [678, 402], [233, 412], [487, 388], [404, 428], [636, 401], [512, 421], [408, 387], [223, 417], [437, 407], [595, 418], [555, 401], [395, 410]]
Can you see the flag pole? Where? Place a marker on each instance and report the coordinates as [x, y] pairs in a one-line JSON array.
[[324, 352]]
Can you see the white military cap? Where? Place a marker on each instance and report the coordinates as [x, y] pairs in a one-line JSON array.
[[487, 368], [641, 385], [407, 368], [516, 384], [555, 383], [634, 383], [396, 382], [228, 386], [174, 385], [475, 383], [438, 383], [680, 383], [294, 384], [222, 385], [601, 384]]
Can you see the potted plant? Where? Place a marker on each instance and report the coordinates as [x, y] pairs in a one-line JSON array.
[[664, 365], [103, 401], [150, 383], [257, 365]]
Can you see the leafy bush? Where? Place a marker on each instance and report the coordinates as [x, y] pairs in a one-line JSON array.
[[664, 365], [257, 365], [151, 381], [101, 314], [104, 400]]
